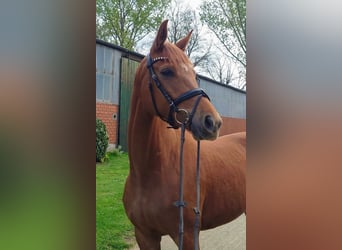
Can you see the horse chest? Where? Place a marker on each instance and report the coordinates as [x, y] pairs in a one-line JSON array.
[[149, 201]]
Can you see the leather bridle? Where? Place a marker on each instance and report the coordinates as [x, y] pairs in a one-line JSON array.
[[176, 115], [183, 119]]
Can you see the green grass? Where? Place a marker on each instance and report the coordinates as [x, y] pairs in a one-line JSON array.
[[113, 229]]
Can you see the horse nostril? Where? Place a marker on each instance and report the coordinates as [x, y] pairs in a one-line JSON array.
[[219, 123], [209, 122]]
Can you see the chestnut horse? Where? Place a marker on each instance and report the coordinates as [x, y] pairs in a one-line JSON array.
[[165, 84]]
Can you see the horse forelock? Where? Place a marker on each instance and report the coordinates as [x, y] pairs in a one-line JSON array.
[[175, 56]]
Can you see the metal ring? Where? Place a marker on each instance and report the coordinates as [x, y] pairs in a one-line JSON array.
[[184, 116]]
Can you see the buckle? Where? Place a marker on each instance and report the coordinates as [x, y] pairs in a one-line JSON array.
[[182, 116]]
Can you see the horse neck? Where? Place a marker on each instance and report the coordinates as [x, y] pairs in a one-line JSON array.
[[149, 140]]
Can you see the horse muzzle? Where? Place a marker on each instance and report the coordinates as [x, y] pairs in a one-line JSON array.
[[206, 127]]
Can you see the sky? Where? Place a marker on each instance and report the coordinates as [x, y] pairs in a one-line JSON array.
[[145, 44], [193, 4]]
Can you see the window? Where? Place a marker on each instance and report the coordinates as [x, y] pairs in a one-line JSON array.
[[104, 73]]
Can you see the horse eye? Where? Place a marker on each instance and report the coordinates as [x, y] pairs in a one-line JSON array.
[[167, 72]]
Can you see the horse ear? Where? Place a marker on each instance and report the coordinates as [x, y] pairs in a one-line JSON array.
[[182, 43], [161, 36]]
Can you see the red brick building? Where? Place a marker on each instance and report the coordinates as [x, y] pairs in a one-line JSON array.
[[108, 114]]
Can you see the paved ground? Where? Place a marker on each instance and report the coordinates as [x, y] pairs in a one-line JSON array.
[[231, 236]]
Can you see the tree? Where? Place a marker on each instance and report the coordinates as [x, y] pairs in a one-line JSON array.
[[182, 20], [227, 20], [220, 68], [125, 22]]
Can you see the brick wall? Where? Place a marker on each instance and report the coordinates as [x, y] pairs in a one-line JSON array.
[[105, 112], [232, 125]]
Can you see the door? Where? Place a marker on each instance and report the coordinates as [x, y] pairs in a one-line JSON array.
[[128, 68]]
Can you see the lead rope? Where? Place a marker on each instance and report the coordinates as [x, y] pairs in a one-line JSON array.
[[198, 197], [181, 203]]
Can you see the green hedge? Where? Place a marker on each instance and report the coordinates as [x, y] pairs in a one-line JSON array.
[[101, 140]]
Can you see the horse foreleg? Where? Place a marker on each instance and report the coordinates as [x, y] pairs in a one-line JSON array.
[[188, 241], [147, 240]]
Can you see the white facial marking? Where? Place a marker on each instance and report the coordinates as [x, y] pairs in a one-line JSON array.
[[186, 69]]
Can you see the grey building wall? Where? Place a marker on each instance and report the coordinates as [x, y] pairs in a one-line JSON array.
[[107, 74], [228, 101]]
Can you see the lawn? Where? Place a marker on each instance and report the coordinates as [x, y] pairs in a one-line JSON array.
[[113, 229]]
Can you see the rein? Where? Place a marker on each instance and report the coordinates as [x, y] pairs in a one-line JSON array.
[[183, 118], [181, 203]]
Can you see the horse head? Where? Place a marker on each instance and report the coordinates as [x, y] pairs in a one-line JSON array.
[[172, 91]]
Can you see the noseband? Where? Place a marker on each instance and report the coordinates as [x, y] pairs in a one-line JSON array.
[[181, 116]]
